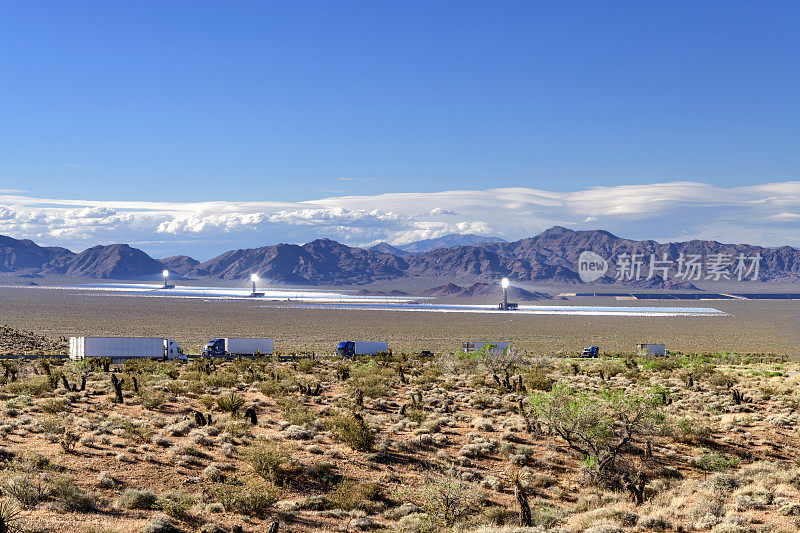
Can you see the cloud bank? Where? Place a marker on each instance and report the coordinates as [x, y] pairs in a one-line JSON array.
[[766, 214]]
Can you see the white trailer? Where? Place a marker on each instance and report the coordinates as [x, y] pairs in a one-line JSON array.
[[125, 348], [237, 346], [353, 348], [470, 347], [651, 349]]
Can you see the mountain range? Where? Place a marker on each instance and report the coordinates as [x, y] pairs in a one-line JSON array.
[[550, 257], [426, 245]]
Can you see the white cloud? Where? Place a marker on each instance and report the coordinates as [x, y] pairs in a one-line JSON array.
[[442, 211], [767, 214], [788, 217]]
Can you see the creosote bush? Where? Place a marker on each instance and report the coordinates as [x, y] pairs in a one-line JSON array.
[[598, 424], [251, 499], [353, 430], [445, 497], [270, 461], [138, 499]]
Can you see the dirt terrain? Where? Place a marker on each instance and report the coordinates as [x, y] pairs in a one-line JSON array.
[[754, 327], [463, 442]]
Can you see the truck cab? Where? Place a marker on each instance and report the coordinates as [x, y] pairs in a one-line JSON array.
[[591, 351], [346, 348], [214, 348], [172, 350]]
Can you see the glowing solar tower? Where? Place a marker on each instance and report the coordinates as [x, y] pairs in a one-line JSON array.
[[254, 279]]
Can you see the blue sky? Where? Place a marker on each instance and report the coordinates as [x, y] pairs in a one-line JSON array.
[[188, 102]]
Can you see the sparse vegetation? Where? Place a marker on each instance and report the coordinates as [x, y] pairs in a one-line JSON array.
[[486, 442]]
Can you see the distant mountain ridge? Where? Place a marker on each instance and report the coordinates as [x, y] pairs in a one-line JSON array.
[[550, 257], [447, 241], [485, 290]]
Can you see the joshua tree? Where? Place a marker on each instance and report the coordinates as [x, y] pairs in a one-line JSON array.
[[117, 384]]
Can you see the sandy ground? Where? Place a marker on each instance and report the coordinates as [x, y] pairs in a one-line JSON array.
[[755, 327]]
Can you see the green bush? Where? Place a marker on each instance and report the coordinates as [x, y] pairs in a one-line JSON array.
[[32, 386], [353, 430], [270, 461], [715, 461], [371, 379], [54, 406], [175, 505], [252, 499], [295, 411], [306, 366], [445, 497], [352, 494], [598, 424], [138, 499], [68, 493], [692, 430]]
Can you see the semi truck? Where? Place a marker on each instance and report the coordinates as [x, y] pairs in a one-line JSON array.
[[353, 348], [470, 347], [125, 348], [229, 346], [651, 349], [591, 351]]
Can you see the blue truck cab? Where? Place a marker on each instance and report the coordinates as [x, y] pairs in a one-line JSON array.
[[591, 351], [346, 348], [214, 348]]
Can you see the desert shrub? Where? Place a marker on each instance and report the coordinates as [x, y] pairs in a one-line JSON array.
[[221, 379], [151, 399], [371, 379], [690, 429], [273, 388], [251, 499], [137, 499], [73, 497], [160, 524], [27, 488], [208, 401], [658, 364], [722, 380], [610, 369], [430, 375], [537, 379], [136, 432], [351, 494], [598, 424], [501, 361], [271, 461], [353, 430], [32, 386], [295, 411], [230, 402], [54, 406], [500, 516], [445, 497], [306, 366], [715, 461], [51, 426], [175, 505], [416, 523], [176, 387], [238, 428], [416, 415]]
